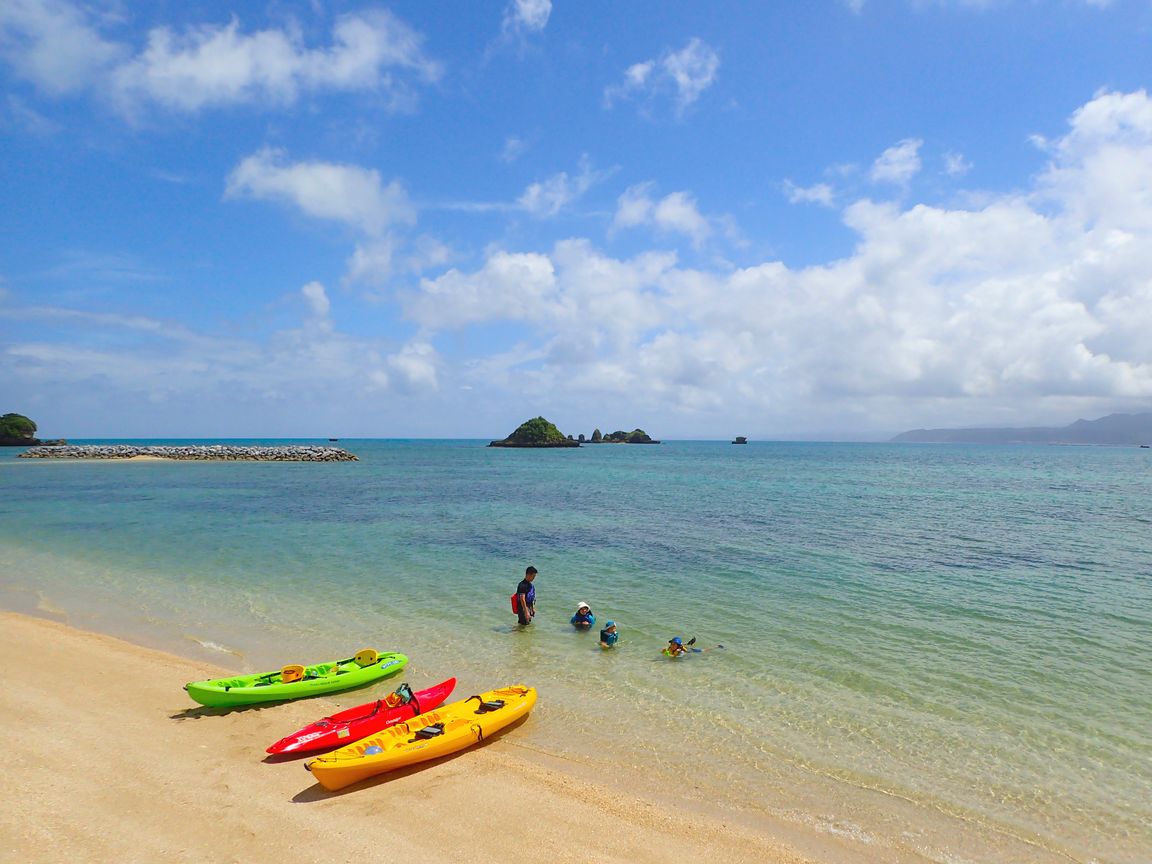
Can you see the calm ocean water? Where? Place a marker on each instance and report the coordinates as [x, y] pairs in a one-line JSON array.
[[944, 651]]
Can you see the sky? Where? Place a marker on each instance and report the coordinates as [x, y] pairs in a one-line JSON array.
[[826, 219]]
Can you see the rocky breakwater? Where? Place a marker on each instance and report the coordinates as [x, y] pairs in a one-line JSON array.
[[195, 452]]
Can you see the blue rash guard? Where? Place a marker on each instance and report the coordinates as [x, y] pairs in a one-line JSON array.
[[586, 620]]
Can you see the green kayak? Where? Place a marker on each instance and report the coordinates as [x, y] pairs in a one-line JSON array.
[[296, 681]]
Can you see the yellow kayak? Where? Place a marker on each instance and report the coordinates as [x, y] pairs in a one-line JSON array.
[[427, 736]]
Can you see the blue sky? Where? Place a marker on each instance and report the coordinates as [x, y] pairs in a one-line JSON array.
[[831, 218]]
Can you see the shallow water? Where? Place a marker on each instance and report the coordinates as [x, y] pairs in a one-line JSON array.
[[940, 650]]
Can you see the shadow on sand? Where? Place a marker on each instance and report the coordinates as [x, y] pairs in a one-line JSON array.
[[316, 792], [201, 711]]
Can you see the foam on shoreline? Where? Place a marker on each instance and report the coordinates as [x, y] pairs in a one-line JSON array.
[[158, 778]]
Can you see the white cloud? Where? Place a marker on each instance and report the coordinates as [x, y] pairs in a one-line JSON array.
[[56, 45], [317, 299], [819, 193], [414, 367], [348, 194], [514, 147], [681, 75], [220, 66], [899, 163], [677, 212], [1100, 169], [634, 206], [674, 213], [955, 165], [1038, 302], [548, 197], [509, 287], [693, 69], [326, 190], [1033, 303], [372, 262], [427, 252], [129, 358], [526, 16]]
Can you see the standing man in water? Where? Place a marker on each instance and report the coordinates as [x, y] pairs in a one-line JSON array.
[[526, 597]]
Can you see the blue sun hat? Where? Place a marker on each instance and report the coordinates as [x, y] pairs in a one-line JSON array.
[[676, 640], [608, 625]]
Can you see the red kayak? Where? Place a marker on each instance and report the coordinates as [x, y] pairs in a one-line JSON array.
[[363, 720]]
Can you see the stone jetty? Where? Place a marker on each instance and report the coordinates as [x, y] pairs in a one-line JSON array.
[[196, 452]]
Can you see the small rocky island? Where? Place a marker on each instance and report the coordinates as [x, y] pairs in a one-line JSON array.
[[538, 432], [636, 436], [195, 452], [16, 430]]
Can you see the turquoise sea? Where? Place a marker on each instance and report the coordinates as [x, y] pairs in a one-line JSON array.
[[942, 653]]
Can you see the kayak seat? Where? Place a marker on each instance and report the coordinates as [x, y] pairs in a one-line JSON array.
[[366, 657], [291, 673], [494, 705], [430, 731]]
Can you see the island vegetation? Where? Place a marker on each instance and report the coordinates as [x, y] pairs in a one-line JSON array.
[[636, 436], [17, 426], [539, 432], [536, 432], [16, 430]]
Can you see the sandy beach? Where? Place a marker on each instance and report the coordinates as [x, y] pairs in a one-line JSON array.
[[116, 764]]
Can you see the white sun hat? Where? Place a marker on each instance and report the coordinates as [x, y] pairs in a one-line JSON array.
[[583, 605]]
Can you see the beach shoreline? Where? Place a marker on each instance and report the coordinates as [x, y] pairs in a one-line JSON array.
[[115, 763], [860, 710]]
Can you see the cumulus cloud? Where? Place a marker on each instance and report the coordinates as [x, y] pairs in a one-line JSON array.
[[898, 164], [548, 197], [1034, 303], [317, 300], [55, 45], [680, 75], [1099, 170], [60, 48], [955, 165], [135, 360], [530, 16], [1040, 299], [675, 213], [414, 367], [372, 262], [818, 193], [350, 194], [522, 286]]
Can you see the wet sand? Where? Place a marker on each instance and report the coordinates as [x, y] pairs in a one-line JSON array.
[[109, 761]]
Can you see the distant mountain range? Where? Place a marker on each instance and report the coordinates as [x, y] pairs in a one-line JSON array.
[[1116, 430]]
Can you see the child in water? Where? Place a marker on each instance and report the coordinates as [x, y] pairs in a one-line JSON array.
[[583, 619], [608, 635], [675, 648]]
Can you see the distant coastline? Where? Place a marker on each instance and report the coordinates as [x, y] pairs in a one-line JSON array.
[[1115, 430]]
